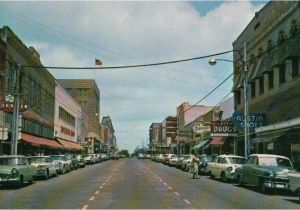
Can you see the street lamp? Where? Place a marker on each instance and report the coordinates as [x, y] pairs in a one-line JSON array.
[[213, 61]]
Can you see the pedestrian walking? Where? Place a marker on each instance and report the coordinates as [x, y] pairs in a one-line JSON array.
[[195, 165]]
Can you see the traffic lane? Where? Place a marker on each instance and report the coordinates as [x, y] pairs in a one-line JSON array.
[[131, 187], [207, 193], [66, 191]]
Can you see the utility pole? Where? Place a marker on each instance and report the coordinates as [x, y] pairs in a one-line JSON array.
[[246, 110], [15, 122]]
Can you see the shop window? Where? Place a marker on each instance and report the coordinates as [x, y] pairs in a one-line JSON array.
[[282, 74], [271, 80], [238, 97], [282, 37]]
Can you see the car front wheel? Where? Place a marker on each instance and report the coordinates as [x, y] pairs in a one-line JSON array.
[[262, 187], [240, 180]]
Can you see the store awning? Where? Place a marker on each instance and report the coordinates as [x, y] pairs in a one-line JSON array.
[[69, 144], [218, 141], [201, 144], [40, 141]]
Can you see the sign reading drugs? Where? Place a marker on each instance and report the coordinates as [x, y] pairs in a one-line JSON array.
[[219, 128], [201, 127], [254, 120]]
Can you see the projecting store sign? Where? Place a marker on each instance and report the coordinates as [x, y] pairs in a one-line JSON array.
[[254, 120], [201, 127], [218, 128]]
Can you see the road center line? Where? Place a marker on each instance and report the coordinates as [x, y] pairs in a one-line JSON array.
[[100, 187], [91, 198], [97, 192], [165, 184], [84, 207], [170, 188], [177, 193], [187, 201]]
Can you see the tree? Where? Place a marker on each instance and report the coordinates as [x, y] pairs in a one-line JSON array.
[[124, 152]]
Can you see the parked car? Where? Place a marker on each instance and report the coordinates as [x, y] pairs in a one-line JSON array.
[[179, 162], [159, 158], [44, 165], [186, 163], [62, 160], [224, 166], [89, 159], [81, 162], [173, 160], [294, 183], [15, 169], [167, 158], [265, 171], [74, 162], [204, 160]]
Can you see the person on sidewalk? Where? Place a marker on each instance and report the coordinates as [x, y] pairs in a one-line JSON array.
[[195, 165]]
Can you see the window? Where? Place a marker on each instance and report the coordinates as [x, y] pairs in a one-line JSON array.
[[282, 74], [261, 85], [252, 89], [295, 71], [238, 97], [271, 80]]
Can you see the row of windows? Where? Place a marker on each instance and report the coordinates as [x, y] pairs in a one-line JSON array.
[[270, 79], [66, 116], [37, 129]]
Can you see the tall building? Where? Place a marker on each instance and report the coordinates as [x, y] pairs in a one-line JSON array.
[[273, 50], [87, 94], [168, 133], [108, 134], [155, 137]]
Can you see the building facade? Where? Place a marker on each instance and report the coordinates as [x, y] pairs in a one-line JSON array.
[[70, 121], [273, 63], [168, 133], [155, 138], [108, 134], [21, 65], [87, 94]]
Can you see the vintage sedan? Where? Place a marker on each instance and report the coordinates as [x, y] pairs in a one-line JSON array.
[[224, 166], [15, 169], [65, 165], [265, 171], [45, 166]]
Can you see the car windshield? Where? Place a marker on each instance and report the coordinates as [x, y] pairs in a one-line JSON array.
[[275, 161], [58, 157], [39, 159], [236, 160], [11, 161]]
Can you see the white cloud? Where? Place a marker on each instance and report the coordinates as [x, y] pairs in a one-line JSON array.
[[137, 32]]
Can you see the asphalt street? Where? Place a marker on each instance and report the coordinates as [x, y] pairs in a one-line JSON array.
[[138, 184]]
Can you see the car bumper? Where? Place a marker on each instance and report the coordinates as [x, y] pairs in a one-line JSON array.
[[5, 180], [40, 173], [276, 185]]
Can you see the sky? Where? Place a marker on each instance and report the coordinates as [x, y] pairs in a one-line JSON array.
[[128, 33]]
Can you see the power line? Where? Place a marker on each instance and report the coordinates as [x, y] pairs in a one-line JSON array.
[[132, 66], [207, 94]]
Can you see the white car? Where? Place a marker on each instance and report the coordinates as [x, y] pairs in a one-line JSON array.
[[45, 166], [224, 166], [173, 160], [65, 165]]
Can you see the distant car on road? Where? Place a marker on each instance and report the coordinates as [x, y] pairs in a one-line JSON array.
[[265, 171], [15, 170], [224, 166], [45, 166], [140, 156]]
